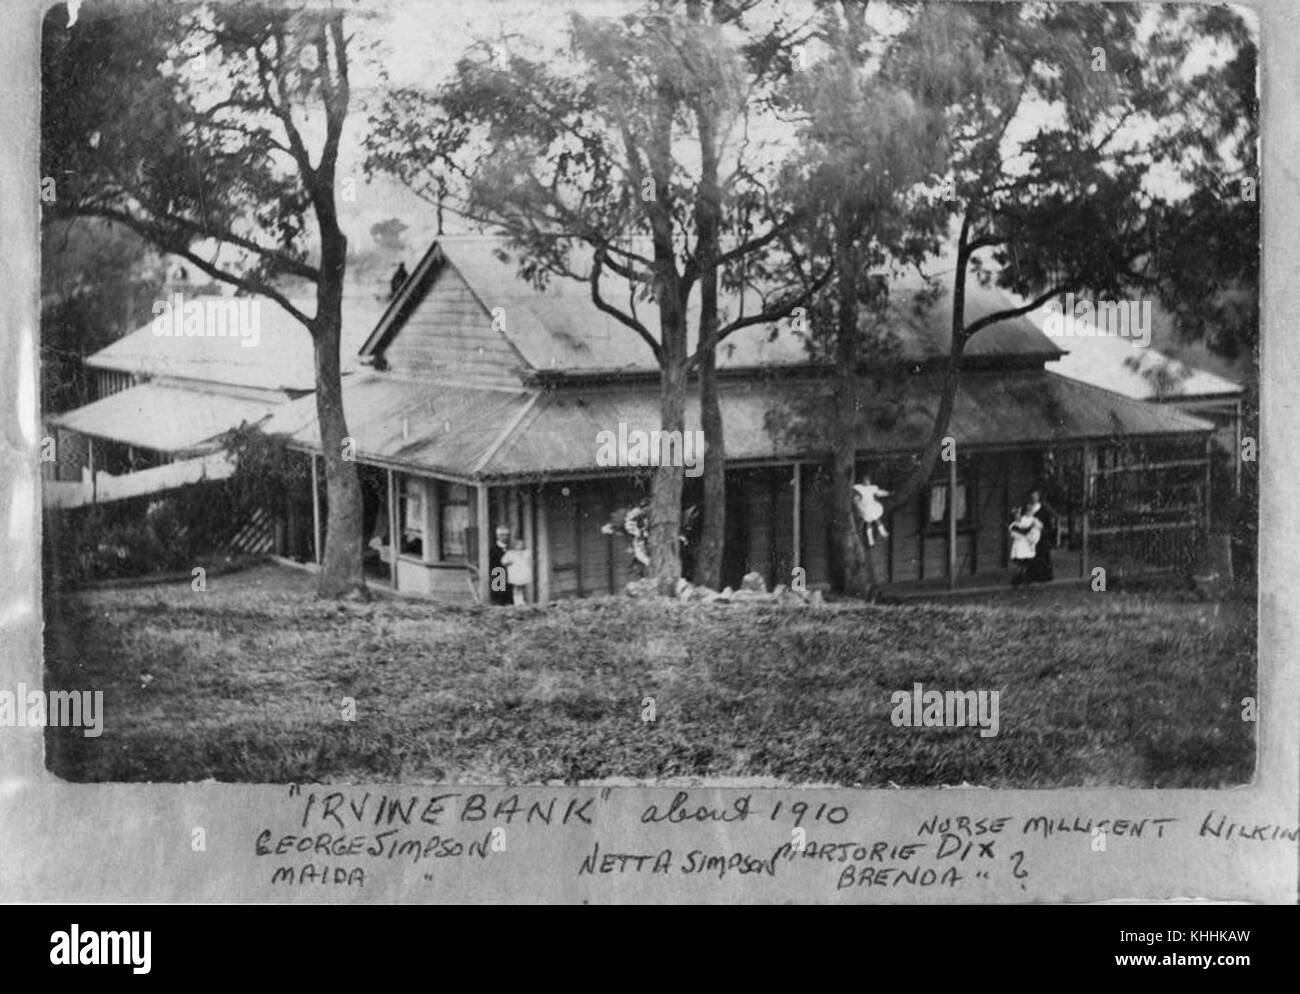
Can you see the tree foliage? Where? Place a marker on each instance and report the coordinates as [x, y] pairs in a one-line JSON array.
[[591, 163], [213, 132]]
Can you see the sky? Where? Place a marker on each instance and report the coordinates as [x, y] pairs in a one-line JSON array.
[[416, 43], [421, 40]]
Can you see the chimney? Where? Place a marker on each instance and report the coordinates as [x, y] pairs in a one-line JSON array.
[[176, 279], [399, 278]]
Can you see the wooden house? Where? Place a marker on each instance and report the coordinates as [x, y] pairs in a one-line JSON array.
[[476, 399]]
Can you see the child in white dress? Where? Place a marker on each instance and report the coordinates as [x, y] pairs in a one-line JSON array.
[[1025, 530], [519, 570], [866, 498]]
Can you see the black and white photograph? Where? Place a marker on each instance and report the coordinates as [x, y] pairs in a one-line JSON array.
[[648, 452], [752, 393]]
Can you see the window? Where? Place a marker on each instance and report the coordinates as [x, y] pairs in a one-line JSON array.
[[453, 518], [411, 516], [937, 506]]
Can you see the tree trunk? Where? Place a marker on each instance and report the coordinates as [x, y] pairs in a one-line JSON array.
[[713, 523], [671, 291], [713, 513], [920, 474], [340, 573], [666, 488], [857, 571], [856, 568], [708, 223]]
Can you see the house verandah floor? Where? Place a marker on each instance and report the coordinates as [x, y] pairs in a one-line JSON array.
[[1067, 570], [953, 537], [1066, 565]]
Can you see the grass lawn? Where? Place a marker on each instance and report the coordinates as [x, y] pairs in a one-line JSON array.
[[246, 683]]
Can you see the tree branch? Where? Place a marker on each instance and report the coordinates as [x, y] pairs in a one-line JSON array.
[[1006, 314], [614, 312], [767, 314], [156, 228], [242, 282]]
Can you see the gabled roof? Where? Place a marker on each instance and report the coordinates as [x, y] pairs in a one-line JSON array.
[[560, 329], [408, 296], [281, 360]]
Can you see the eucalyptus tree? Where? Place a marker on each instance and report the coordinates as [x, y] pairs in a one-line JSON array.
[[1007, 136], [619, 161], [213, 132]]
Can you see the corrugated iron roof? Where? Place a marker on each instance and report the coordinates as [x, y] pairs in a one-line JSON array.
[[556, 329], [282, 359], [420, 424], [560, 434], [164, 418], [476, 432], [560, 329], [1141, 373]]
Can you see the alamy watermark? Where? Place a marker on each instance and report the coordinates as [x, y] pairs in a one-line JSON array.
[[209, 317], [1129, 319], [921, 708], [101, 948], [58, 708], [651, 448]]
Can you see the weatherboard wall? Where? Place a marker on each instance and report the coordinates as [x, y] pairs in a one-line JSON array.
[[451, 334]]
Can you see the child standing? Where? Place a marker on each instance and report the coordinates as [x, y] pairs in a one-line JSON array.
[[519, 570], [1026, 530]]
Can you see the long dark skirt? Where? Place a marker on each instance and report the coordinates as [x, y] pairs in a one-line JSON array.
[[1040, 567]]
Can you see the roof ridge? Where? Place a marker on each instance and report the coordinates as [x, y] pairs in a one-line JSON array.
[[509, 430], [463, 384], [1192, 421], [384, 328]]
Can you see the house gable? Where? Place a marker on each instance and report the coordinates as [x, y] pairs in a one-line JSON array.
[[438, 327]]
